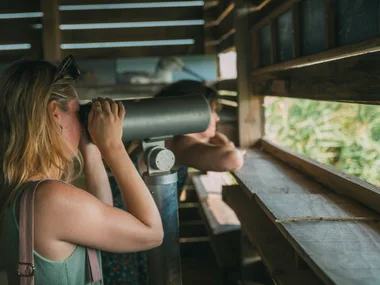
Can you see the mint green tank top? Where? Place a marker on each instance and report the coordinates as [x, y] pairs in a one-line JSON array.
[[74, 270]]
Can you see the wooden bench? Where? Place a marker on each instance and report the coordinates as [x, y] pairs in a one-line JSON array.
[[222, 224]]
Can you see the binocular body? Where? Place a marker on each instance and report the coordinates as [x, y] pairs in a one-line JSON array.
[[163, 117]]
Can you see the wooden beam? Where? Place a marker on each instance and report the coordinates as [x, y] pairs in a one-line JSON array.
[[250, 111], [227, 84], [90, 2], [8, 56], [132, 15], [152, 51], [353, 50], [16, 31], [133, 34], [227, 42], [117, 92], [342, 183], [51, 32], [354, 79], [224, 24], [19, 6]]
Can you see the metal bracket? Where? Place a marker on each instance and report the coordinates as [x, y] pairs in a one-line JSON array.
[[158, 159]]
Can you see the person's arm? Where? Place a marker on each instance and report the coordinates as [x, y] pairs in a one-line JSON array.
[[96, 178], [205, 156], [72, 215], [219, 139]]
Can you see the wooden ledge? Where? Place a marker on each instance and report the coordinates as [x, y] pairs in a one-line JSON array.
[[338, 252]]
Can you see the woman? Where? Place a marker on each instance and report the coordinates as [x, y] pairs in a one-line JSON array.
[[209, 150], [42, 140]]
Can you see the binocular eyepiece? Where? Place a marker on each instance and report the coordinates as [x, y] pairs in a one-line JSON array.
[[161, 117]]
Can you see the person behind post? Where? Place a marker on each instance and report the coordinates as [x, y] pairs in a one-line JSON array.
[[206, 151], [41, 143]]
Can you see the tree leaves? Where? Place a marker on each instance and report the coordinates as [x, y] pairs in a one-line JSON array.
[[346, 136]]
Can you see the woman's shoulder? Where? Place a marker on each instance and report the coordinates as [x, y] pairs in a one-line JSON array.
[[57, 193]]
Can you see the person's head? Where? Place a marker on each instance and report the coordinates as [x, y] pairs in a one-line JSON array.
[[39, 123], [192, 87]]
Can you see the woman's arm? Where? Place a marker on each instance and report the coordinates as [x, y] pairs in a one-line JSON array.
[[65, 213], [96, 177], [205, 156]]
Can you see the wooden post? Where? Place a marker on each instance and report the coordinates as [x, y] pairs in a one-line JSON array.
[[250, 113], [51, 34]]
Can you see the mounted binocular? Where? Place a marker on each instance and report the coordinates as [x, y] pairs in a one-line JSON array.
[[159, 118]]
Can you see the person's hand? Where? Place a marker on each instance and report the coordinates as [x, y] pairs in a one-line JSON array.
[[105, 123]]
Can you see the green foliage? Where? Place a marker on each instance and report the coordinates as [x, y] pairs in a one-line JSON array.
[[346, 136]]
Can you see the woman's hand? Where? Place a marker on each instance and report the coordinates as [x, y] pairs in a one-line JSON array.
[[105, 123]]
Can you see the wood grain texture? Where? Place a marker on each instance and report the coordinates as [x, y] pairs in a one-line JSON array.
[[339, 252], [275, 251], [351, 79], [51, 32], [266, 174], [338, 181], [250, 110]]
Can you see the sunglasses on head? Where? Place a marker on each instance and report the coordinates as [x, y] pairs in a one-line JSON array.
[[67, 66]]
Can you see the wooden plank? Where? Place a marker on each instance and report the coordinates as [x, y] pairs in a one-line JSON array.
[[51, 31], [340, 182], [266, 174], [90, 2], [8, 56], [18, 30], [272, 12], [19, 6], [225, 22], [117, 92], [340, 89], [132, 15], [296, 29], [199, 188], [353, 50], [261, 15], [276, 253], [218, 223], [273, 41], [250, 110], [133, 34], [211, 14], [339, 252], [330, 24], [227, 84], [353, 79], [152, 51], [256, 55], [227, 42]]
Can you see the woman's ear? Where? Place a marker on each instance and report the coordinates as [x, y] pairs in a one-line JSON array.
[[54, 111]]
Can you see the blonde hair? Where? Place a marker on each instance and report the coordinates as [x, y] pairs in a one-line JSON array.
[[31, 143]]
